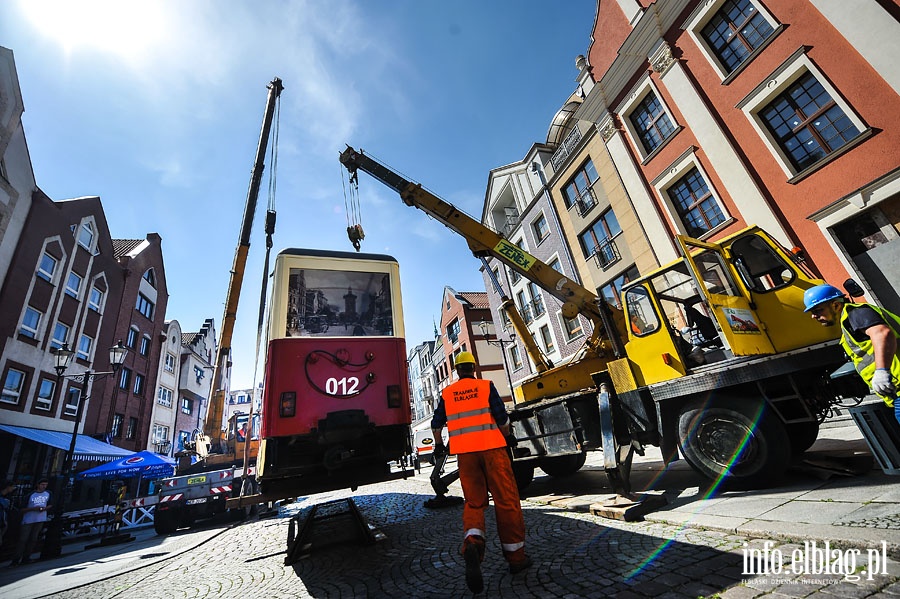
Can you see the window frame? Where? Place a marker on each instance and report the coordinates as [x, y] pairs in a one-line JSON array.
[[564, 326], [164, 391], [40, 398], [54, 341], [167, 366], [98, 305], [145, 306], [541, 218], [25, 330], [703, 14], [6, 392], [42, 272], [547, 338], [672, 175], [139, 385], [86, 226], [84, 355], [132, 337], [788, 73], [72, 401], [572, 181], [644, 88]]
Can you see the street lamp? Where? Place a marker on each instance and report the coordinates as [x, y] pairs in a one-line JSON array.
[[485, 326], [63, 358]]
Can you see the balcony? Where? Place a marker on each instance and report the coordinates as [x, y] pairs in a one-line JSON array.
[[567, 147], [606, 254]]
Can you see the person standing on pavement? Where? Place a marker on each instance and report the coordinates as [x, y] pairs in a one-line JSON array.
[[6, 489], [478, 425], [34, 515], [869, 336]]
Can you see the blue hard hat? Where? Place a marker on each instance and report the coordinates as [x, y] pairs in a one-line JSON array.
[[820, 294]]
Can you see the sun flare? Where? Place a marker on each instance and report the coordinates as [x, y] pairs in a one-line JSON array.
[[125, 28]]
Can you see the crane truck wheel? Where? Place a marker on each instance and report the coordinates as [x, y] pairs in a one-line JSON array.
[[802, 435], [736, 439], [165, 522], [248, 487], [564, 465]]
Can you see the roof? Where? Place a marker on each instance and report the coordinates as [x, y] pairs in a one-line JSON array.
[[122, 247], [477, 299], [86, 448], [188, 338]]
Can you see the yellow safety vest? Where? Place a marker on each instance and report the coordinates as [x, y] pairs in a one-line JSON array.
[[862, 353], [469, 420]]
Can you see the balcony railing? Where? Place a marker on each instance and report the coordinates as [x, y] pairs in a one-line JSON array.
[[586, 201], [606, 253], [567, 147]]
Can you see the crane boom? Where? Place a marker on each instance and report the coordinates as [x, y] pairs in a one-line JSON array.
[[608, 324], [213, 425]]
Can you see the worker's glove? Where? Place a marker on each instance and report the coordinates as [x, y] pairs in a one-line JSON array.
[[883, 383], [511, 441], [440, 451]]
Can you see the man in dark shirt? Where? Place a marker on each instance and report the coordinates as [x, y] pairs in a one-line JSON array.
[[869, 335]]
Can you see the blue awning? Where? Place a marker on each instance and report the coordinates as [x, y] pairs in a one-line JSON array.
[[86, 448]]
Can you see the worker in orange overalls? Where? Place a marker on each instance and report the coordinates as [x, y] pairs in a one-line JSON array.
[[479, 435]]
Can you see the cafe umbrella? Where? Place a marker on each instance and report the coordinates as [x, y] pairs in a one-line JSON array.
[[144, 464]]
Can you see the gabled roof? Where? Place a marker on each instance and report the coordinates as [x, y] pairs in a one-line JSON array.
[[122, 247], [189, 338], [476, 299]]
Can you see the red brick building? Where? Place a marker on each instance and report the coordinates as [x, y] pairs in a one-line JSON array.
[[779, 113]]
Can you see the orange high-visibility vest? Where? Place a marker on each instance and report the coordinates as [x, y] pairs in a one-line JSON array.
[[469, 420]]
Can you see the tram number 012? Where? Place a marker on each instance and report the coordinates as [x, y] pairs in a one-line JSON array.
[[342, 386]]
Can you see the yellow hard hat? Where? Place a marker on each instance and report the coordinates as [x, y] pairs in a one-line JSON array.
[[464, 357]]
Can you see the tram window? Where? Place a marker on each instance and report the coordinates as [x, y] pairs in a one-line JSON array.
[[760, 267], [338, 303], [641, 315], [713, 273]]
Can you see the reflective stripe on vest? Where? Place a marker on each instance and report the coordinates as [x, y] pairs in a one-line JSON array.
[[862, 352], [469, 420]]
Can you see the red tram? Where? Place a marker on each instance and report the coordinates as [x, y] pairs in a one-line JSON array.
[[336, 407]]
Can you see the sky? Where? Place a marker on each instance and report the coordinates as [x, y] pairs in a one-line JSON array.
[[156, 107]]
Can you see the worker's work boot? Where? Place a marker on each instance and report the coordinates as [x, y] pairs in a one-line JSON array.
[[474, 580], [516, 567]]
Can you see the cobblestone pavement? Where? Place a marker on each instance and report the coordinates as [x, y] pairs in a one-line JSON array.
[[575, 554]]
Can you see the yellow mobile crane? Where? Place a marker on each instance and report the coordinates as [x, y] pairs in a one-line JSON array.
[[217, 464], [744, 387]]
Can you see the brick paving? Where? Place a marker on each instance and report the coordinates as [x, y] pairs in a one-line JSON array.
[[576, 555]]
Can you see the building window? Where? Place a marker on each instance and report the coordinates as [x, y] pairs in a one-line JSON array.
[[651, 123], [537, 302], [144, 306], [801, 117], [116, 431], [124, 378], [578, 191], [164, 397], [572, 327], [807, 123], [131, 339], [515, 358], [86, 235], [132, 428], [47, 267], [60, 335], [160, 434], [557, 266], [170, 362], [84, 348], [524, 307], [596, 238], [187, 405], [731, 32], [44, 400], [612, 291], [95, 300], [73, 285], [138, 384], [73, 398], [547, 338], [198, 374], [145, 345], [453, 331], [30, 323], [736, 30], [540, 228], [696, 207], [150, 277], [13, 385]]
